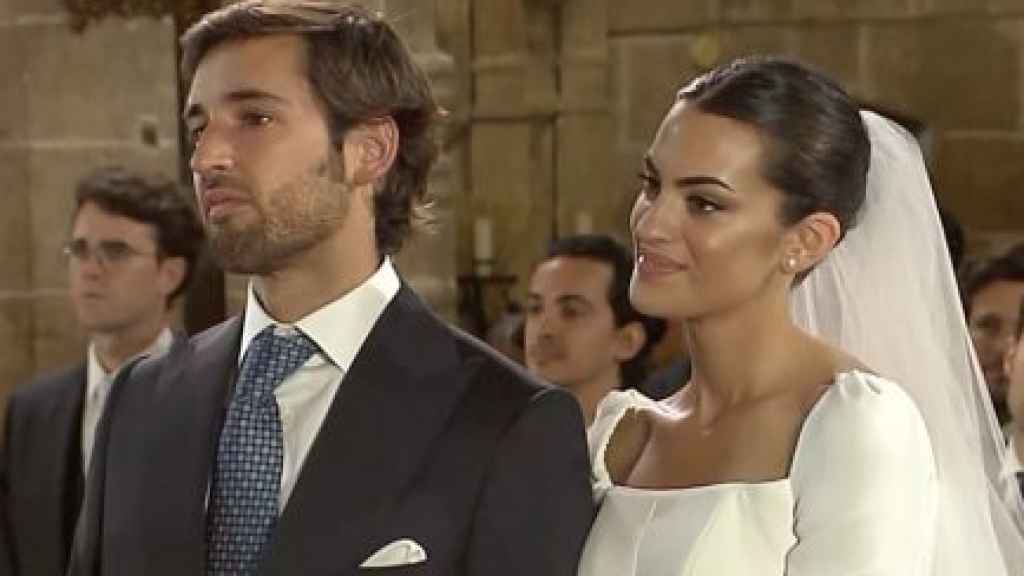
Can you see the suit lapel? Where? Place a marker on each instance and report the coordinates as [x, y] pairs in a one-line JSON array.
[[390, 407], [61, 469], [188, 412]]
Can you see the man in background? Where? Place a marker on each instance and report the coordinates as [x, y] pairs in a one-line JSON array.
[[992, 291], [581, 331], [133, 242], [1014, 368]]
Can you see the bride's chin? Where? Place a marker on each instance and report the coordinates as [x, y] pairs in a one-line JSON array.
[[653, 302]]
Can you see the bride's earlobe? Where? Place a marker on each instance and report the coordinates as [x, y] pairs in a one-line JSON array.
[[817, 235]]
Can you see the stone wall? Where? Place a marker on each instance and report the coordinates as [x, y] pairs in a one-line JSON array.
[[954, 64], [566, 95], [70, 102], [552, 104]]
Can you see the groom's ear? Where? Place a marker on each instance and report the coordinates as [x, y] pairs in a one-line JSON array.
[[810, 241]]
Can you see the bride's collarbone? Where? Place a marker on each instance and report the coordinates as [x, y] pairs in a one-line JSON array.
[[748, 444]]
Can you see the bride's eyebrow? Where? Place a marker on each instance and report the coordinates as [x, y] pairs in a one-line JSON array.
[[687, 181]]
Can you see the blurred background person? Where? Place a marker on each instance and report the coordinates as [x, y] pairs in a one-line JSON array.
[[581, 332], [1014, 368], [992, 290], [134, 241]]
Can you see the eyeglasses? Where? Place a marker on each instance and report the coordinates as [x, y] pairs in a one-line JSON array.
[[108, 253]]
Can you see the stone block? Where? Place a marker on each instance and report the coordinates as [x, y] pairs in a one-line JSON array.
[[15, 221], [1013, 29], [57, 340], [757, 10], [499, 89], [990, 7], [499, 28], [645, 75], [16, 335], [513, 186], [981, 180], [738, 41], [54, 316], [857, 10], [584, 85], [586, 189], [660, 15], [961, 75], [13, 96], [748, 11], [103, 84], [835, 50], [56, 353], [11, 9]]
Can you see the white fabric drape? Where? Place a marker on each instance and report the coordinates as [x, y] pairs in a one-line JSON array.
[[888, 295]]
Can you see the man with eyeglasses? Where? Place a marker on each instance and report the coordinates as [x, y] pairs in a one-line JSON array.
[[991, 291], [134, 241]]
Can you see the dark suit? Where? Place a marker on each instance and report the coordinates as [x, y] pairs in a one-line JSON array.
[[41, 478], [431, 437]]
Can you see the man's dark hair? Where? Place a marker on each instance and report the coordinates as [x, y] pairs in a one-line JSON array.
[[152, 200], [1008, 267], [359, 70], [605, 249]]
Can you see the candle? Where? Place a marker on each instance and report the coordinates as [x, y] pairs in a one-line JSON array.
[[483, 246]]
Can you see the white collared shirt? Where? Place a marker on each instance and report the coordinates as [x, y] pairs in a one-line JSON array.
[[339, 329], [97, 388]]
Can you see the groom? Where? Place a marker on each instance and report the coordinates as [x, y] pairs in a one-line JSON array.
[[337, 426]]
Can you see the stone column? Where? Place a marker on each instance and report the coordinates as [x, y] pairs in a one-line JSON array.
[[512, 134], [587, 198], [428, 260]]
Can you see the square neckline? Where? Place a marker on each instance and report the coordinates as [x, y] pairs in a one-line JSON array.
[[625, 489]]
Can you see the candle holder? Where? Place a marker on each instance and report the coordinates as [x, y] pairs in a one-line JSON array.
[[473, 292]]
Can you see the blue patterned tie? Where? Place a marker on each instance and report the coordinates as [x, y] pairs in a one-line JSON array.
[[243, 504]]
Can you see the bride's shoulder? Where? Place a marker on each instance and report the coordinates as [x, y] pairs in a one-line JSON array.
[[617, 435], [863, 417]]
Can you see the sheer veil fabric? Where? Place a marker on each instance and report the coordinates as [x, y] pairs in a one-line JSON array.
[[887, 294]]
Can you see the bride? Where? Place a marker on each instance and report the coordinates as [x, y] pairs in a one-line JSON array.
[[834, 422]]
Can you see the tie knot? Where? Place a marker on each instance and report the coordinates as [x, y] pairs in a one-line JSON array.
[[271, 358]]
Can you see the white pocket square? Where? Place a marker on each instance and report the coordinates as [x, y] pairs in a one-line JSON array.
[[398, 553]]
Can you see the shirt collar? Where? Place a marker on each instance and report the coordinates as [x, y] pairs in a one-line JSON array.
[[357, 311], [96, 374]]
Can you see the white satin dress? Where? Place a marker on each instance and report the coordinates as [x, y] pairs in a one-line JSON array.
[[860, 499]]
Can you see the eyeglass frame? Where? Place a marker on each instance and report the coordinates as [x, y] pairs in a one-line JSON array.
[[107, 253]]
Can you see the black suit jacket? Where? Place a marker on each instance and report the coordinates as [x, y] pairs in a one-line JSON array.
[[431, 437], [41, 471]]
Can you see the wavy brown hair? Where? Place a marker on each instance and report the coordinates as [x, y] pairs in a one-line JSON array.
[[360, 70]]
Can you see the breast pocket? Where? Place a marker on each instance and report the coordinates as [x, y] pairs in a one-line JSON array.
[[420, 569]]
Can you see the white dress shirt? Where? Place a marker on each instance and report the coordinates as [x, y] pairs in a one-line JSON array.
[[97, 388], [339, 329]]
